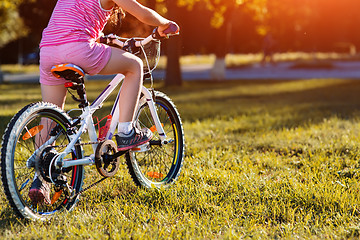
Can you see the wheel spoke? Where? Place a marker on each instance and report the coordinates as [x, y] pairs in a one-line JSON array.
[[25, 134]]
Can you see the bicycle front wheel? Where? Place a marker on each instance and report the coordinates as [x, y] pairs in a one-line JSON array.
[[26, 132], [161, 164]]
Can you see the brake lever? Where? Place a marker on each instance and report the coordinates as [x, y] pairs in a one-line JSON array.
[[130, 46], [156, 35]]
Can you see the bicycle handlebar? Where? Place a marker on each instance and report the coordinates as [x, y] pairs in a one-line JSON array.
[[172, 30]]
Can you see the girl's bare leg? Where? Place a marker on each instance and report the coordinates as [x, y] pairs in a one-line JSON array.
[[54, 94], [40, 190], [132, 68]]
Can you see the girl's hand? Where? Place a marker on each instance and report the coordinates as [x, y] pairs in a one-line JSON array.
[[170, 28]]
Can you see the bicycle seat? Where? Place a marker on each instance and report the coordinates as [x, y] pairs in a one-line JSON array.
[[68, 71]]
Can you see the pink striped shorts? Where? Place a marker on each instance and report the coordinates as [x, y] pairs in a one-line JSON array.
[[90, 56]]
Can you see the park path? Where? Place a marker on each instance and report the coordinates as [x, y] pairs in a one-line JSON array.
[[283, 70]]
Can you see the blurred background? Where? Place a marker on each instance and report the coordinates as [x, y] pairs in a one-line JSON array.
[[217, 27]]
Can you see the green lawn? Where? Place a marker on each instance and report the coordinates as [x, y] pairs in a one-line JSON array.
[[264, 159]]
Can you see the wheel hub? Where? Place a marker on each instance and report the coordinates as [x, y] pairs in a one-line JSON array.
[[46, 167]]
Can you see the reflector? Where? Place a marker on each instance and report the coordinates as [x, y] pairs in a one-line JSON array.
[[32, 132]]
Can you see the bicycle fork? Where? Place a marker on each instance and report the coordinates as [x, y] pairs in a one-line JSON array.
[[151, 103]]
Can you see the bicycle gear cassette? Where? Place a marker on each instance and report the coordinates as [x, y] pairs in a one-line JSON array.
[[105, 162], [46, 169]]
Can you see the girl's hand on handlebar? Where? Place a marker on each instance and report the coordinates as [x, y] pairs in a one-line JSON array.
[[168, 29], [161, 32]]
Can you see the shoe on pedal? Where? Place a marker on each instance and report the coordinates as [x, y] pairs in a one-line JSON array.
[[135, 138], [39, 192]]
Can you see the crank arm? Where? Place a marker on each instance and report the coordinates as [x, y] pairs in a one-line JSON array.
[[116, 155], [160, 143]]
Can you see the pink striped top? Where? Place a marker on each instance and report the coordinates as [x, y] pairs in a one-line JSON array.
[[75, 20]]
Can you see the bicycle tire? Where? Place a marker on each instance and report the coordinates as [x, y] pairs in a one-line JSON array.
[[161, 165], [18, 146]]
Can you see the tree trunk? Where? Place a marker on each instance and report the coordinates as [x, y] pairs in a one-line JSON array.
[[1, 74], [219, 68], [173, 73], [151, 4]]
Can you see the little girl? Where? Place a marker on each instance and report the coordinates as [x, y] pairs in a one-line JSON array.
[[71, 37]]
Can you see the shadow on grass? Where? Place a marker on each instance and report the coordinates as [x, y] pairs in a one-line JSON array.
[[340, 99], [4, 120], [298, 107], [292, 107], [8, 219]]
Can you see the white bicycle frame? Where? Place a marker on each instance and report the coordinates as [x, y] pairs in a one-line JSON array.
[[87, 124]]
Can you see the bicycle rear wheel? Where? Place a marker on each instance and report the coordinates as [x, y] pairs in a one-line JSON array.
[[23, 136], [161, 164]]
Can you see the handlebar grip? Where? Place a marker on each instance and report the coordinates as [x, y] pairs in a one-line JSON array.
[[172, 29]]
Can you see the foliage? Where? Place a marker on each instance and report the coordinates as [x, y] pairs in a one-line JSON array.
[[37, 14], [322, 25], [265, 160], [220, 8], [296, 25], [11, 24]]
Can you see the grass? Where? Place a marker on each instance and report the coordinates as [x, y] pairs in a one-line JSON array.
[[264, 159]]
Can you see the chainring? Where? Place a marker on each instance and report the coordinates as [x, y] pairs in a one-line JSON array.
[[105, 162]]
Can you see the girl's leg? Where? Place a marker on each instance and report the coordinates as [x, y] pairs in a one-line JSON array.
[[55, 94], [132, 68], [40, 191]]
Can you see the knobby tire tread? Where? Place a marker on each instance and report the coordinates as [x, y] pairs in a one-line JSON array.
[[8, 148]]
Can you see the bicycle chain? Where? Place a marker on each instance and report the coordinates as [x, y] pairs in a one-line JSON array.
[[78, 144], [88, 187], [91, 185]]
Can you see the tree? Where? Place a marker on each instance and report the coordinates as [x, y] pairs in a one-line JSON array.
[[225, 14], [222, 21], [151, 4], [173, 45], [173, 73], [36, 14], [11, 24]]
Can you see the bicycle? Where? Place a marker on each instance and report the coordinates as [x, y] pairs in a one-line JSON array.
[[44, 139]]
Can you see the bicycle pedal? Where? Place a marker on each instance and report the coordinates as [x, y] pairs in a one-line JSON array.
[[141, 148]]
